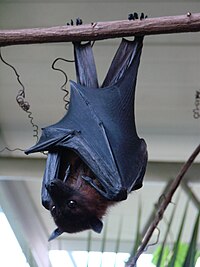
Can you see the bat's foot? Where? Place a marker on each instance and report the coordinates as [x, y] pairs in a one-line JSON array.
[[77, 22], [134, 16]]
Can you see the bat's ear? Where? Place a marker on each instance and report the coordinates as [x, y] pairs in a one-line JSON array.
[[96, 225], [55, 234]]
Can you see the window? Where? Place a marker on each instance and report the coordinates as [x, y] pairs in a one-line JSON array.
[[63, 258], [11, 252]]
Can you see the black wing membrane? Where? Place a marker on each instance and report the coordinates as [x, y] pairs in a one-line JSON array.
[[86, 73], [100, 125]]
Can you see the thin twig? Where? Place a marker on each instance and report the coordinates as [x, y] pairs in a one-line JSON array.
[[162, 207], [102, 30]]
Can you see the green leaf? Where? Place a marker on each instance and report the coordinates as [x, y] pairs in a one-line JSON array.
[[156, 255], [163, 255], [165, 238], [177, 243], [190, 257], [197, 255], [182, 250]]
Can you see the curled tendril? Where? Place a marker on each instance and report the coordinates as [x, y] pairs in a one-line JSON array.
[[154, 243], [24, 105], [20, 98], [11, 150], [63, 87], [15, 71]]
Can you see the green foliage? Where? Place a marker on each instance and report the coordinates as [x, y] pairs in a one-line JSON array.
[[177, 244], [165, 254], [177, 255], [168, 254], [191, 253], [161, 255], [181, 255]]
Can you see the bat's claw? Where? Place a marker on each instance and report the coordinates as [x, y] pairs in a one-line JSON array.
[[77, 22], [134, 16], [50, 185]]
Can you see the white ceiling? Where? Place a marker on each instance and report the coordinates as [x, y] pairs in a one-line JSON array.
[[167, 83]]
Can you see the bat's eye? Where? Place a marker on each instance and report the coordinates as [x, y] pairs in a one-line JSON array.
[[53, 208], [72, 204]]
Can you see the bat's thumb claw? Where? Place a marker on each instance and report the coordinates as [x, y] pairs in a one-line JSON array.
[[122, 195]]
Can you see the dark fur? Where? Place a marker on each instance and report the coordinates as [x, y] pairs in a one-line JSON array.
[[76, 205]]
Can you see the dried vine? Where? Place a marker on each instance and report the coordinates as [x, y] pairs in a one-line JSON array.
[[24, 105], [63, 87]]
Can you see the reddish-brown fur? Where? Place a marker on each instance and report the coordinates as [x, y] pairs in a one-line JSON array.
[[76, 205], [96, 203]]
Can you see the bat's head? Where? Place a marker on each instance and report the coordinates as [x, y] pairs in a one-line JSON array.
[[74, 210]]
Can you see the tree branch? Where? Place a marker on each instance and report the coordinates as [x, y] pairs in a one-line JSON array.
[[102, 30], [162, 207]]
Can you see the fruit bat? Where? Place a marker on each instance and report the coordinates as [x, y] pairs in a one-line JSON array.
[[95, 157]]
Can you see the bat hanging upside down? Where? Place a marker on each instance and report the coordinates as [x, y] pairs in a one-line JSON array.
[[95, 157], [75, 205]]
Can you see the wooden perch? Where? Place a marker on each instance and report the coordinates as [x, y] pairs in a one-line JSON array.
[[102, 30]]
